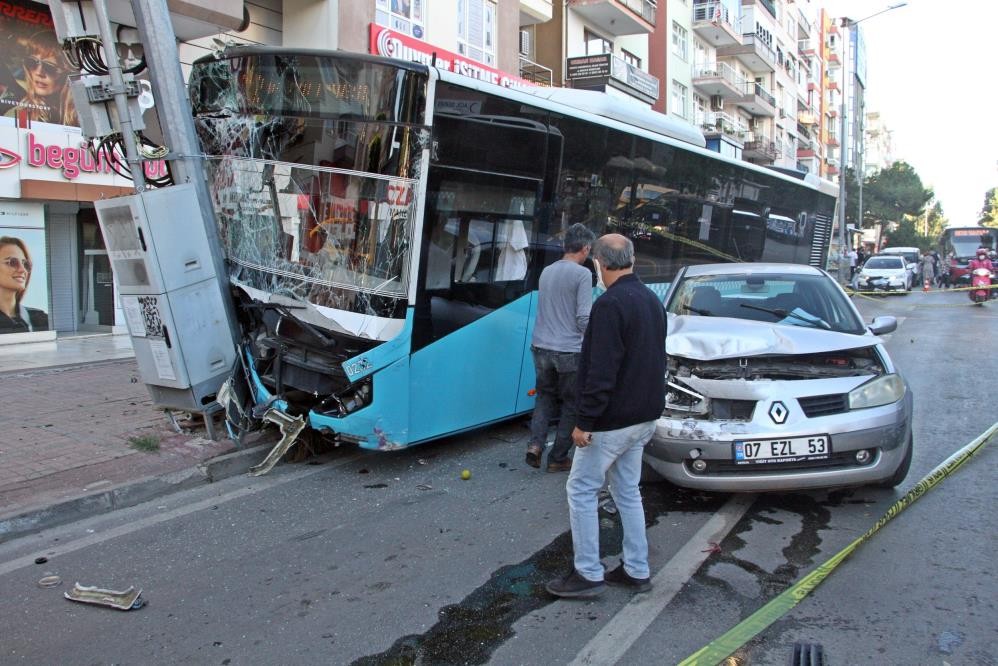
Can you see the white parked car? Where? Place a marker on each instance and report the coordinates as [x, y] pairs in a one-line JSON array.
[[775, 383], [883, 272]]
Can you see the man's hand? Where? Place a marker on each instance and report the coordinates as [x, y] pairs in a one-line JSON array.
[[581, 438]]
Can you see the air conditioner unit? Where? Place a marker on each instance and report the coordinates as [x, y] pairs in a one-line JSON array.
[[716, 102], [525, 42]]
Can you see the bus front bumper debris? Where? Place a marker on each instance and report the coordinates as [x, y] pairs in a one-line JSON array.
[[290, 427]]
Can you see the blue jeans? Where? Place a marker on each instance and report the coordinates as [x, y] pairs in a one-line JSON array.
[[555, 398], [613, 455]]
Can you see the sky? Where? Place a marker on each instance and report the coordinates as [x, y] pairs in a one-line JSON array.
[[930, 74]]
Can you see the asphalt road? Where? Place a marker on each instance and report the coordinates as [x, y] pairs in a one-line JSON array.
[[392, 558]]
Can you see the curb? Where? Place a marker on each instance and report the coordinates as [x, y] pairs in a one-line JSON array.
[[130, 494]]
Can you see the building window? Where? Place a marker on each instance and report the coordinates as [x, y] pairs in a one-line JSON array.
[[631, 59], [680, 42], [476, 30], [596, 45], [405, 16], [679, 97]]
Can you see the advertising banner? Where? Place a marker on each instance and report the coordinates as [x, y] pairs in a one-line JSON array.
[[24, 298], [34, 84]]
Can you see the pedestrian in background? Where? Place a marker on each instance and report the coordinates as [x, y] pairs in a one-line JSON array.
[[621, 395], [928, 268], [564, 299], [853, 258]]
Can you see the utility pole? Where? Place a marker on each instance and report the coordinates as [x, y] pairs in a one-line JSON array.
[[849, 26], [152, 18]]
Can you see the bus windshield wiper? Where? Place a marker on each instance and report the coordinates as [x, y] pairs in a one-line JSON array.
[[702, 313], [783, 314]]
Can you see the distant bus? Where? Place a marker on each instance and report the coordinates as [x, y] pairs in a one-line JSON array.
[[962, 243], [386, 223]]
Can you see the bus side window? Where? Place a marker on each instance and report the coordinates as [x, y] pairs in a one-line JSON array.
[[440, 255]]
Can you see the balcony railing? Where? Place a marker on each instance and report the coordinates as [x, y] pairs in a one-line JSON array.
[[762, 48], [762, 146], [643, 8], [538, 74], [713, 12], [806, 46], [719, 121], [757, 90], [720, 70]]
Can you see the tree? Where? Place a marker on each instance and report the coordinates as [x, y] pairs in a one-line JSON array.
[[906, 235], [894, 192], [989, 212]]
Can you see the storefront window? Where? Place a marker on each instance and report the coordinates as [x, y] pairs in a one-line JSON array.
[[24, 294]]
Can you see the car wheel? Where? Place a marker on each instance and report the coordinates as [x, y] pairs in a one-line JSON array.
[[895, 479]]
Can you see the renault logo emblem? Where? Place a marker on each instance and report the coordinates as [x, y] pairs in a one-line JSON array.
[[778, 412]]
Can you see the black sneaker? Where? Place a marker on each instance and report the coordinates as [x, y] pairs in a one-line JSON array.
[[575, 586], [620, 577]]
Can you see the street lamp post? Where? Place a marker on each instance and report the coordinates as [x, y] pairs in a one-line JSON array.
[[849, 25]]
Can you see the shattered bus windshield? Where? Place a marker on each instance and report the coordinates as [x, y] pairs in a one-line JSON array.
[[312, 167]]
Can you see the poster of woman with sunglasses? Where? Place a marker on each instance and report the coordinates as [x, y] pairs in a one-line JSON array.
[[34, 85], [15, 276]]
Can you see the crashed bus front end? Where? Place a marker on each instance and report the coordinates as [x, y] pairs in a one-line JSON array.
[[314, 163]]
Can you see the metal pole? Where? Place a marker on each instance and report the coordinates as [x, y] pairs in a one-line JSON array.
[[847, 24], [120, 97], [152, 18]]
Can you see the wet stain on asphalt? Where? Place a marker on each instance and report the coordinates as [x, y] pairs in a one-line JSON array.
[[470, 631]]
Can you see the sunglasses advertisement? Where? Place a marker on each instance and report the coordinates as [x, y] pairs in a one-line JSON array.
[[34, 83], [24, 292]]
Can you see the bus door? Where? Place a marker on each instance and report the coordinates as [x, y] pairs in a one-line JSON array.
[[473, 303]]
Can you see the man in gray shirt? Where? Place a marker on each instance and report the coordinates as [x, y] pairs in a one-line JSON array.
[[564, 299]]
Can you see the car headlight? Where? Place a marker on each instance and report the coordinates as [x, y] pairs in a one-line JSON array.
[[880, 391]]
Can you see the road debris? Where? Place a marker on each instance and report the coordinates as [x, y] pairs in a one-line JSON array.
[[129, 599], [424, 486], [49, 580], [712, 548], [465, 474]]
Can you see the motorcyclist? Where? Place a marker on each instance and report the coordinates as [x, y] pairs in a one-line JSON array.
[[982, 261]]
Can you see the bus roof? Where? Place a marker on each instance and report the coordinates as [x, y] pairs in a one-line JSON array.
[[607, 109]]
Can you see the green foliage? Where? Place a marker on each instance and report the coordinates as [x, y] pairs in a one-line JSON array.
[[906, 235], [894, 192], [989, 211], [144, 443]]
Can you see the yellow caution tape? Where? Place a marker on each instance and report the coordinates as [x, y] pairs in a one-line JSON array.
[[722, 647]]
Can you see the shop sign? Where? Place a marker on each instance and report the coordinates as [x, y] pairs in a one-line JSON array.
[[605, 67], [391, 44], [55, 156]]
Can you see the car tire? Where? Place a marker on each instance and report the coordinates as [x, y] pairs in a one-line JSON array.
[[895, 479]]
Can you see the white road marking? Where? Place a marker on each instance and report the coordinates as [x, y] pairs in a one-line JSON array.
[[260, 484], [626, 627]]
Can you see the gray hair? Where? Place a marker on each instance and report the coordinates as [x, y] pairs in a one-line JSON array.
[[578, 237], [614, 255]]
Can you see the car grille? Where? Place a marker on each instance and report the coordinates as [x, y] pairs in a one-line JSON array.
[[738, 410], [724, 467], [823, 405]]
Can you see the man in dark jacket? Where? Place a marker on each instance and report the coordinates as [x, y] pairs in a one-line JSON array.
[[621, 394]]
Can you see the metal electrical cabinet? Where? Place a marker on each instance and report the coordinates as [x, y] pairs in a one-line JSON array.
[[170, 294]]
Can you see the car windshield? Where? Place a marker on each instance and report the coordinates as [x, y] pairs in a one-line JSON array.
[[884, 262], [814, 301]]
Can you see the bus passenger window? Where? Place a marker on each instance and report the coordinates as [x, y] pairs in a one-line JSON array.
[[440, 255], [513, 242]]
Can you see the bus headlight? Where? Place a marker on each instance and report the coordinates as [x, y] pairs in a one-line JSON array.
[[880, 391]]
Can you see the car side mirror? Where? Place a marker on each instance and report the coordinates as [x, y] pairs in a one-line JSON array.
[[884, 324]]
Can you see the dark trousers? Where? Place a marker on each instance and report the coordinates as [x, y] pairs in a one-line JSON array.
[[555, 399]]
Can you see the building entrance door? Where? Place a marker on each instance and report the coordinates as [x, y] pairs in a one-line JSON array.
[[96, 279]]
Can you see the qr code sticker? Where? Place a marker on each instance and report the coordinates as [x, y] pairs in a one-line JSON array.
[[150, 316]]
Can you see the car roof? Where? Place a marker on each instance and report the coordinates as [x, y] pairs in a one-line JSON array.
[[899, 250], [750, 268], [886, 256]]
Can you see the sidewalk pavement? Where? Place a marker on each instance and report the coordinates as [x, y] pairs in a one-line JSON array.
[[79, 435]]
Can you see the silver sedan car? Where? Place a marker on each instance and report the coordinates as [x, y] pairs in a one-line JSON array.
[[775, 383]]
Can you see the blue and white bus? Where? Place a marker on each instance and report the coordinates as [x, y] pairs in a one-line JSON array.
[[386, 224]]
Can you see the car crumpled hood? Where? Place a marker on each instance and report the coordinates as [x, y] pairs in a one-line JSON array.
[[712, 338]]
